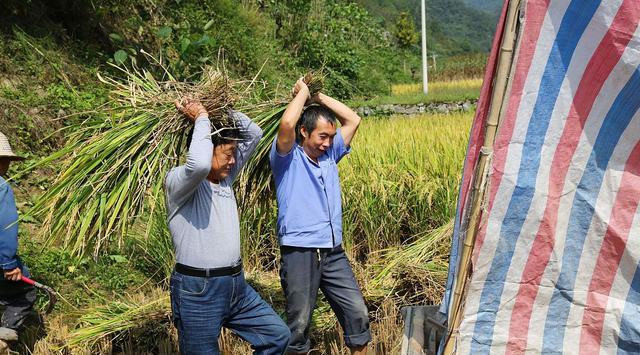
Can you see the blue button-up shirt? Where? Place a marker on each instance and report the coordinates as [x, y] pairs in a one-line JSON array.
[[308, 194], [8, 227]]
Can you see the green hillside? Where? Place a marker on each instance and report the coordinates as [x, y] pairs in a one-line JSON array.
[[453, 27], [492, 7]]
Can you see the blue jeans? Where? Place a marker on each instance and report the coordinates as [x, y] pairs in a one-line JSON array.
[[203, 305], [302, 272]]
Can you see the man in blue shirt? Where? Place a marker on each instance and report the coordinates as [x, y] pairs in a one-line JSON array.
[[17, 296], [304, 159]]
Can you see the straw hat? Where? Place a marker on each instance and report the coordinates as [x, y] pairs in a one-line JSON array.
[[5, 149]]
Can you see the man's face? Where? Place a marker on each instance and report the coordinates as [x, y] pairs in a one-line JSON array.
[[224, 158], [4, 166], [320, 139]]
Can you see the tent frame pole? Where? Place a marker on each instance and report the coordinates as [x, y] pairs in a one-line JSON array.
[[499, 98]]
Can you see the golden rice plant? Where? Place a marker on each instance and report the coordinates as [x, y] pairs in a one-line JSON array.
[[413, 273], [449, 85], [402, 178]]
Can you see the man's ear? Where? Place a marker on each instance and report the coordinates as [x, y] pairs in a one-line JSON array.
[[303, 131]]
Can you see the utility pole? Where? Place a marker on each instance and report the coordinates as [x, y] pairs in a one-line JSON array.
[[425, 80]]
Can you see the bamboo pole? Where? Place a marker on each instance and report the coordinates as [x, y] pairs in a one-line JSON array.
[[498, 100]]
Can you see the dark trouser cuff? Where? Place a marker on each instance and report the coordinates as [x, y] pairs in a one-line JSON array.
[[356, 340], [304, 348]]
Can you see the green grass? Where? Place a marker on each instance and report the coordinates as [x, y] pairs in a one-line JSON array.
[[411, 94], [79, 281], [42, 90]]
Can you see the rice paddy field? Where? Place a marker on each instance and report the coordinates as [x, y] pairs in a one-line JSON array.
[[439, 91], [399, 188]]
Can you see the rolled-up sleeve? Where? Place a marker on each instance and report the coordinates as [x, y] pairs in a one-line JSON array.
[[253, 134], [279, 162], [338, 148]]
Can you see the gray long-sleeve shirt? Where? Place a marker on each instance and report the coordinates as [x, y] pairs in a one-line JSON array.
[[203, 216]]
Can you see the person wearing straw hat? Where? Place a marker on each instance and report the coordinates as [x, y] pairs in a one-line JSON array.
[[304, 158], [208, 288], [18, 297]]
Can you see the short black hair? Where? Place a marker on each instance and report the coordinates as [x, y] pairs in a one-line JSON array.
[[227, 135], [310, 117]]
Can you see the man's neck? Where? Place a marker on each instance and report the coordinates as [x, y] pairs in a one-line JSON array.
[[213, 179], [304, 149]]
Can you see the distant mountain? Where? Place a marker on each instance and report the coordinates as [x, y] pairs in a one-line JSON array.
[[492, 7], [453, 26]]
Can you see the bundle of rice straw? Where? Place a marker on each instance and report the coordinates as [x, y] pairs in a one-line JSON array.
[[114, 168]]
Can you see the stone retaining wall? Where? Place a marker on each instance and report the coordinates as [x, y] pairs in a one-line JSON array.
[[396, 109]]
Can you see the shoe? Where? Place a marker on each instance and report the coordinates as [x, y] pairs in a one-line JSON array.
[[8, 334]]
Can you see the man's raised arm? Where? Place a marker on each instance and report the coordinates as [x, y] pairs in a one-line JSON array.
[[349, 120], [182, 181], [287, 130]]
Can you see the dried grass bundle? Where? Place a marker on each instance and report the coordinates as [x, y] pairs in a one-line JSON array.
[[114, 168]]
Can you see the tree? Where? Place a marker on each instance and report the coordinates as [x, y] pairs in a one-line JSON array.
[[405, 32]]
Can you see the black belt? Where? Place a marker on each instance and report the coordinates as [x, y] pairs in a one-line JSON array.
[[199, 272]]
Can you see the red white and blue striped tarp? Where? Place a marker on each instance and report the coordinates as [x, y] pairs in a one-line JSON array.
[[556, 256]]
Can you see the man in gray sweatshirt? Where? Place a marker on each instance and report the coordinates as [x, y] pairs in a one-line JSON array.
[[208, 289]]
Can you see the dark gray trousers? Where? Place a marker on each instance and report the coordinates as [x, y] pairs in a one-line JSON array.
[[304, 271]]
